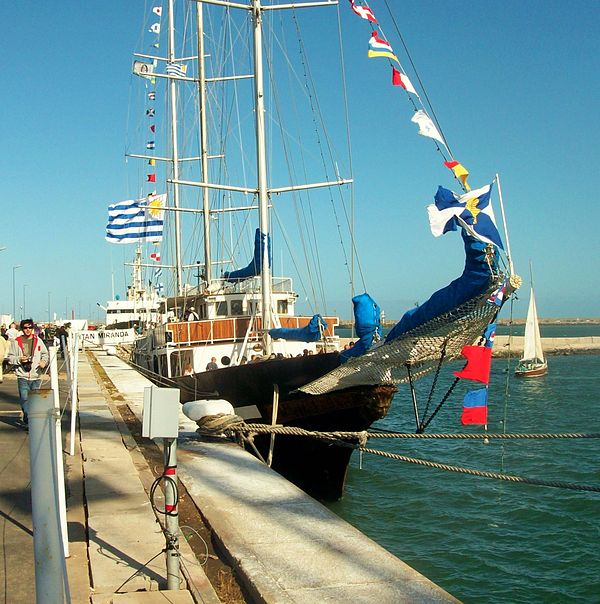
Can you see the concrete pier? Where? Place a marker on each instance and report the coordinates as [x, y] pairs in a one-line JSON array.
[[285, 546], [282, 545]]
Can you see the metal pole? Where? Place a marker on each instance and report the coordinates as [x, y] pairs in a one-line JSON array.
[[74, 355], [175, 152], [14, 297], [261, 169], [508, 254], [414, 399], [273, 422], [203, 143], [172, 518], [48, 554], [60, 471]]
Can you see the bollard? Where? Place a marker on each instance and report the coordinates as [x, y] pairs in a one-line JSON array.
[[47, 545]]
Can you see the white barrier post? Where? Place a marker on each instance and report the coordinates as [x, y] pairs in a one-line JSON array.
[[73, 390], [60, 471], [48, 554]]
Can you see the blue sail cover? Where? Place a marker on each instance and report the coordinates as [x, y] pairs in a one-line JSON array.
[[256, 264], [309, 333], [473, 282], [367, 323]]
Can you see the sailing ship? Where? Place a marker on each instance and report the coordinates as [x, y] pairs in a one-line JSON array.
[[532, 363], [273, 365]]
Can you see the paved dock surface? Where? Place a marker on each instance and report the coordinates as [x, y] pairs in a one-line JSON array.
[[284, 546]]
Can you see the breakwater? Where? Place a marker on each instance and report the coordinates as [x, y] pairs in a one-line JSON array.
[[513, 345], [505, 346]]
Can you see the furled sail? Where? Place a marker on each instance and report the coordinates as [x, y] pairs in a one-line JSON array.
[[453, 317], [309, 333], [256, 264], [475, 280], [367, 323]]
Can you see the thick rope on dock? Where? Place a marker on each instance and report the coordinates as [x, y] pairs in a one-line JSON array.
[[358, 440], [359, 436], [559, 484]]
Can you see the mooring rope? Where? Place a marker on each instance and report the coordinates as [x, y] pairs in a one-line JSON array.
[[559, 484], [358, 440], [341, 435]]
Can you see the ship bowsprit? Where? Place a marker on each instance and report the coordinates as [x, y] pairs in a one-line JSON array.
[[420, 350]]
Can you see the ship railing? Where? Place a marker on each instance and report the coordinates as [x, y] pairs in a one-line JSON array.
[[279, 285], [230, 329]]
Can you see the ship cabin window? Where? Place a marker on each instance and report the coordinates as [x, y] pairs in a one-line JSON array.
[[236, 307], [282, 307], [253, 308], [221, 309]]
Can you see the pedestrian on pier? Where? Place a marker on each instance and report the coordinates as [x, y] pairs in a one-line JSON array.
[[12, 332], [62, 335], [30, 356], [4, 346]]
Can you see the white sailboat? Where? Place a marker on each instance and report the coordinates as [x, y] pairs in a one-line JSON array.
[[532, 363]]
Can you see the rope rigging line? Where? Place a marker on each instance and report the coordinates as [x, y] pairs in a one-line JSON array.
[[360, 439], [354, 255], [316, 111], [559, 484], [420, 83], [292, 431], [311, 250]]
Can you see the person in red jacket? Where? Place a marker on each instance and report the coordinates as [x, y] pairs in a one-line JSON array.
[[30, 356]]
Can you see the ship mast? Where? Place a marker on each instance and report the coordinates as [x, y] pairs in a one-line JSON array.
[[175, 153], [261, 170], [203, 141]]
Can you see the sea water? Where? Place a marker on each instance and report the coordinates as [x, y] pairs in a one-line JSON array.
[[485, 540]]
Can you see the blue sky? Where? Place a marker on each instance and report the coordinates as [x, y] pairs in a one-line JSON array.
[[514, 84]]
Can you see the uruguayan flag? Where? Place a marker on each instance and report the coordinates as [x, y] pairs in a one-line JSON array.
[[176, 69], [136, 220], [473, 211]]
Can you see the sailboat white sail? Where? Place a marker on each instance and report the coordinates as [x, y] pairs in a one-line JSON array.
[[533, 362]]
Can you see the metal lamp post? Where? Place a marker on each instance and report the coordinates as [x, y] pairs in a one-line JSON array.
[[14, 299]]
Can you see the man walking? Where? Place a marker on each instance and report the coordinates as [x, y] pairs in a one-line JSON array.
[[30, 356]]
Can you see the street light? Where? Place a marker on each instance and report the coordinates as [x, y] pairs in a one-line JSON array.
[[24, 303], [14, 300]]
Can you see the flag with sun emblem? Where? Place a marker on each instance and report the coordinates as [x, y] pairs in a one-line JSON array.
[[473, 211], [136, 220]]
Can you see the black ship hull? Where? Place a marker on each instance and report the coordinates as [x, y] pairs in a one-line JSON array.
[[317, 467]]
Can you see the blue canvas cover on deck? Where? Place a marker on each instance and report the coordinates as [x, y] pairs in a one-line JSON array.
[[473, 282], [255, 266], [367, 323], [309, 333]]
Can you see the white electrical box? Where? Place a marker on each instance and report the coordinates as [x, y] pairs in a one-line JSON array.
[[160, 418]]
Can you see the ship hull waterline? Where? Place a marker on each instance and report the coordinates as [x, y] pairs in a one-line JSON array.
[[317, 467]]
